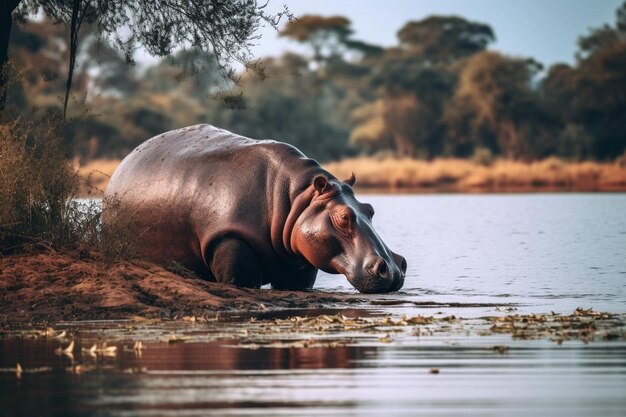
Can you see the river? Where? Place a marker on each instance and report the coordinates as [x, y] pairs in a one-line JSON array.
[[485, 255], [542, 251]]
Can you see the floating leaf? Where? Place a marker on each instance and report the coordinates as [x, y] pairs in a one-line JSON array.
[[172, 340], [67, 351], [501, 349]]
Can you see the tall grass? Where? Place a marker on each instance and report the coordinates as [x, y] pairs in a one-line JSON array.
[[469, 175]]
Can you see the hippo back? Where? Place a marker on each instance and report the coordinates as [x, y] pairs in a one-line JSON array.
[[185, 189]]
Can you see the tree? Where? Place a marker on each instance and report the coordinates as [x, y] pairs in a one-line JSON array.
[[496, 90], [194, 72], [600, 103], [113, 75], [331, 75], [589, 97], [224, 27], [445, 38], [6, 21], [326, 35], [416, 80], [280, 107], [370, 130]]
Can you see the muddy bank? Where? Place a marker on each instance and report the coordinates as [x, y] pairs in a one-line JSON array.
[[79, 286]]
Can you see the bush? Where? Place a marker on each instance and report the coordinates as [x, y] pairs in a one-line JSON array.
[[37, 188]]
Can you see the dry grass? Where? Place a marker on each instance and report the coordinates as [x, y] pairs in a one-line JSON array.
[[465, 175], [37, 188], [95, 175], [389, 173]]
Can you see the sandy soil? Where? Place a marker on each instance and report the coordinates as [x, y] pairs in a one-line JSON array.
[[78, 286]]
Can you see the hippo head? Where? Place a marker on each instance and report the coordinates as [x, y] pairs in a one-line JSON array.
[[335, 234]]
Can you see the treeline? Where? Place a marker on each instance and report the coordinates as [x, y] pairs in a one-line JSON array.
[[439, 92]]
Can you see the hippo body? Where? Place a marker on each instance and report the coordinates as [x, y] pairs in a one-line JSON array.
[[233, 210]]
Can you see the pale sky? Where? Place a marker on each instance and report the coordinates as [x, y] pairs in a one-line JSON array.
[[546, 30]]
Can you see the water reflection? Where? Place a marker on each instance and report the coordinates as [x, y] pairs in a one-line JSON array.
[[193, 376], [215, 378], [222, 356]]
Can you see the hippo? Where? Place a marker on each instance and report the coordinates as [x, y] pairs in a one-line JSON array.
[[247, 212]]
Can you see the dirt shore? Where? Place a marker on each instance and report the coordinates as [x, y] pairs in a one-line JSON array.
[[78, 286]]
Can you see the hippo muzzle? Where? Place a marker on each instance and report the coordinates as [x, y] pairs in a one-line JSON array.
[[379, 275]]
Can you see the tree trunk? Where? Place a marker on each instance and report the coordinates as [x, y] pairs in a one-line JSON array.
[[404, 147], [6, 20], [74, 28]]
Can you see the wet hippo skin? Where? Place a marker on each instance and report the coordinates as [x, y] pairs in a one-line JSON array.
[[247, 212]]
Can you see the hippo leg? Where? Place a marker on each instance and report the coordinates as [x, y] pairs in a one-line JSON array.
[[302, 280], [235, 262]]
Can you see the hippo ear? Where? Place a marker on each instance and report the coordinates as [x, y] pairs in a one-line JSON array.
[[321, 184], [350, 181]]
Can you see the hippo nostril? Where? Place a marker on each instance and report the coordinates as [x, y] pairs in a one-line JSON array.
[[381, 268], [403, 265], [400, 262]]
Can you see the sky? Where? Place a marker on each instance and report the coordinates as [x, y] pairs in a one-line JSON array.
[[546, 30]]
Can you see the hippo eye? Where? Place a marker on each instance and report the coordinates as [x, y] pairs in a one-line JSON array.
[[343, 219]]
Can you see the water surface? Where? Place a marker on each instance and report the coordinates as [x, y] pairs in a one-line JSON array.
[[543, 251], [491, 254]]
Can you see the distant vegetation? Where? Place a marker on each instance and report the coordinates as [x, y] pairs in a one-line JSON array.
[[437, 110], [440, 92], [476, 175]]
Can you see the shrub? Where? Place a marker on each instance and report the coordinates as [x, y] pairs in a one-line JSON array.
[[37, 188]]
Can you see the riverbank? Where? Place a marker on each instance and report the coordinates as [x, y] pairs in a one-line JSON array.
[[82, 285], [441, 175]]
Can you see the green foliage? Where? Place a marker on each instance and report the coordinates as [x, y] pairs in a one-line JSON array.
[[445, 38], [438, 92], [224, 28], [591, 95], [574, 143], [494, 90], [326, 35], [292, 109]]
